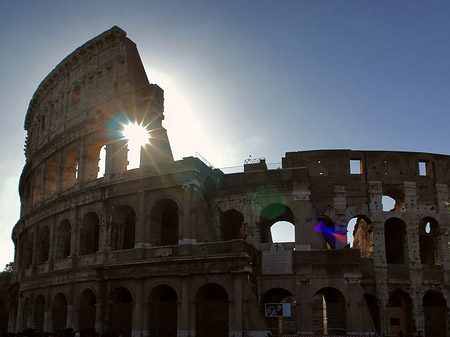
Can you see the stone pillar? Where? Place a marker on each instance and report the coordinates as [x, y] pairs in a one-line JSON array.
[[302, 227], [18, 327], [140, 236], [185, 312], [238, 312], [305, 307], [98, 317], [74, 233], [82, 162], [116, 157], [137, 325], [70, 317], [48, 323]]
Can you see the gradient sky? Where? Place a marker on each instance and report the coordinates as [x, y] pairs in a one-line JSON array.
[[242, 78]]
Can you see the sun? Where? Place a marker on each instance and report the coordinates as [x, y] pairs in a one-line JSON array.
[[137, 136]]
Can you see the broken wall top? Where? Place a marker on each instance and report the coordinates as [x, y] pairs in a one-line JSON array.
[[103, 76]]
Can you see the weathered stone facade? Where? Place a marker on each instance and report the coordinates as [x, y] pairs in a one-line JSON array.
[[180, 248]]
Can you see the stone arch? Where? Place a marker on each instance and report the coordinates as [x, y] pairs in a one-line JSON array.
[[89, 234], [39, 313], [329, 312], [362, 235], [124, 228], [279, 307], [395, 239], [43, 245], [232, 222], [271, 214], [121, 312], [70, 171], [91, 165], [435, 312], [211, 311], [50, 179], [163, 311], [164, 221], [400, 313], [63, 240], [87, 310], [59, 312], [37, 182], [428, 241]]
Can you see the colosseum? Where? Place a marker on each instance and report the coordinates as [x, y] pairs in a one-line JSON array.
[[180, 248]]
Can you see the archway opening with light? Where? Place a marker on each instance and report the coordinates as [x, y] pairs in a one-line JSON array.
[[137, 136]]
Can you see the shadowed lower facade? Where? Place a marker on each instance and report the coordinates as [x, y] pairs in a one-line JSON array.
[[179, 248]]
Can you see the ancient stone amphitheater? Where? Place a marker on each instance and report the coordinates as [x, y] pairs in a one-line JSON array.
[[179, 248]]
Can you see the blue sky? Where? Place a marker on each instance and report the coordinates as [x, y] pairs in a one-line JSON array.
[[247, 77]]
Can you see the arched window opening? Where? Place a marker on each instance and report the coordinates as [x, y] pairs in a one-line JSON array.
[[50, 179], [89, 234], [232, 225], [121, 312], [163, 311], [374, 311], [272, 214], [211, 311], [329, 313], [395, 241], [102, 162], [95, 161], [164, 216], [63, 239], [428, 241], [393, 203], [87, 311], [400, 314], [279, 307], [360, 235], [43, 245], [435, 310], [59, 312], [39, 314], [334, 236], [124, 228], [282, 231], [37, 187], [70, 174]]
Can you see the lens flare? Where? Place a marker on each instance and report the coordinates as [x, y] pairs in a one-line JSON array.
[[329, 231], [136, 134]]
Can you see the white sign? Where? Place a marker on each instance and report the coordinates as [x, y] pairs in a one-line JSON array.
[[277, 309]]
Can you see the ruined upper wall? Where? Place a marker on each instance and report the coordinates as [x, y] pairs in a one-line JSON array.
[[88, 83], [385, 166]]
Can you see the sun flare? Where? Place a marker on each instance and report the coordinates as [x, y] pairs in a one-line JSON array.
[[137, 136]]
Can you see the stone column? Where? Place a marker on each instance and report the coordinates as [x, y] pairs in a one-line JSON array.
[[186, 314], [305, 307], [137, 327], [140, 236], [238, 312], [98, 317], [19, 315]]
